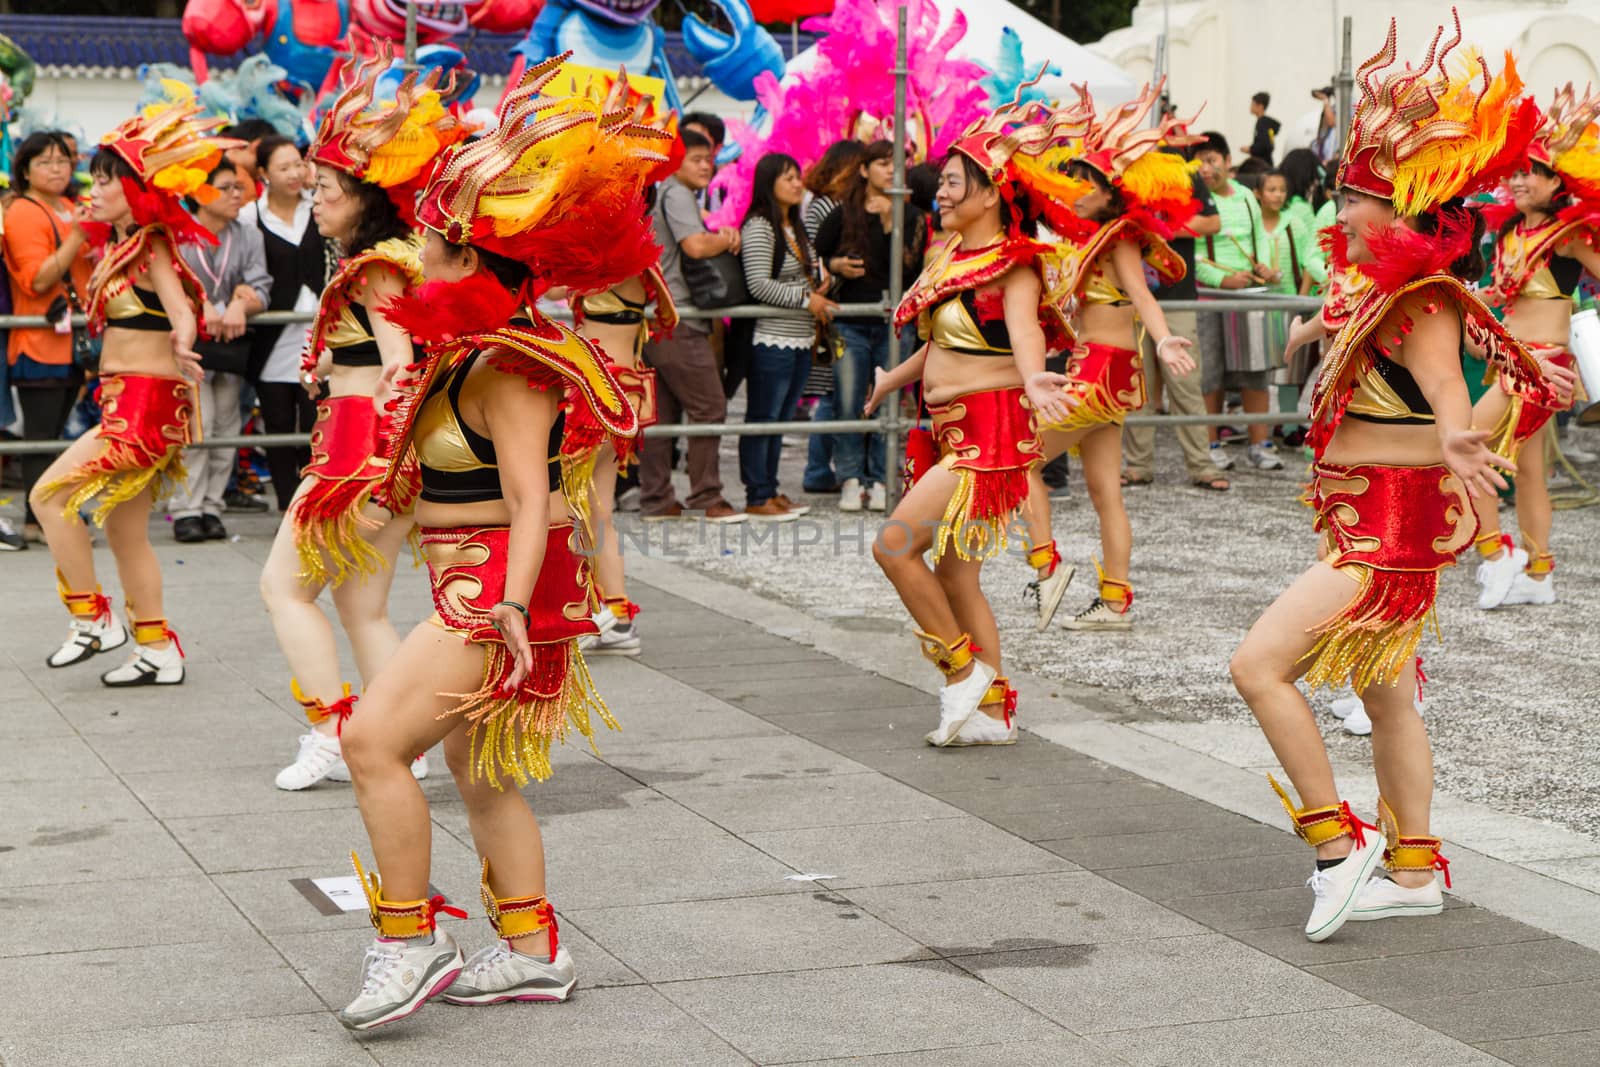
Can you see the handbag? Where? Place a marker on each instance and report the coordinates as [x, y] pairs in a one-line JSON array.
[[226, 357], [717, 282], [85, 348], [827, 346]]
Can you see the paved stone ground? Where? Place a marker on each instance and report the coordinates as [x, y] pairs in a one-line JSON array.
[[1512, 693], [1018, 906]]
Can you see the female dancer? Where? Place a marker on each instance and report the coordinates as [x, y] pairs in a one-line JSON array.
[[1131, 198], [983, 310], [495, 673], [1396, 460], [614, 319], [1544, 248], [370, 160], [145, 299]]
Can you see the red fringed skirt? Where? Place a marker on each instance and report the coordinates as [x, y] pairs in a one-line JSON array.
[[511, 731], [344, 471], [1524, 417], [144, 424], [1107, 385], [988, 439], [1393, 529]]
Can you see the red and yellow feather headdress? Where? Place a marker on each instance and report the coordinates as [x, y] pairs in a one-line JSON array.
[[390, 144], [1423, 136], [558, 185], [1569, 143], [172, 148]]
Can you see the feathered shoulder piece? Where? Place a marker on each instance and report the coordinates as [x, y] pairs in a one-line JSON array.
[[390, 144], [1422, 136], [547, 355], [401, 255], [954, 270], [557, 185], [1373, 328], [126, 262], [1079, 258]]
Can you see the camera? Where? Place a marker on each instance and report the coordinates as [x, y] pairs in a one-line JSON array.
[[1322, 94]]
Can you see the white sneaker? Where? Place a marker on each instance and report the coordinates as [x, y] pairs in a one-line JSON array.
[[1337, 888], [1354, 714], [850, 495], [1100, 616], [1049, 592], [148, 666], [87, 637], [620, 640], [877, 497], [984, 729], [497, 974], [958, 703], [1264, 457], [1220, 458], [318, 755], [604, 619], [1526, 590], [341, 770], [398, 977], [1497, 575], [1341, 707], [1383, 898]]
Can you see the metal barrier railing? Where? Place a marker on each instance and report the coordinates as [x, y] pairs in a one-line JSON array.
[[879, 424]]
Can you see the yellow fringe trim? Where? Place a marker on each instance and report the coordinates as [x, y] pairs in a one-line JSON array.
[[1353, 651], [973, 539], [333, 550], [513, 735], [577, 478], [117, 487]]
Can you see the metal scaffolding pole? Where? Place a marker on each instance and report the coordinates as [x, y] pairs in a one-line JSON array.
[[897, 245]]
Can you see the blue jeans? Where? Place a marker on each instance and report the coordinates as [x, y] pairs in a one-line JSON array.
[[777, 375], [819, 475], [866, 343]]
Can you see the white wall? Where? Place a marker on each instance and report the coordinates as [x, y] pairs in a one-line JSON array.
[[1222, 51]]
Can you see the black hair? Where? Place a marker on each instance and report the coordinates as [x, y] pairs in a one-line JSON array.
[[250, 130], [1302, 170], [509, 272], [1115, 205], [923, 181], [32, 147], [855, 233], [1250, 172], [1263, 99], [377, 218], [108, 164], [1013, 215], [1213, 142], [1471, 265], [692, 139], [769, 168], [829, 174], [270, 145], [193, 205], [713, 125]]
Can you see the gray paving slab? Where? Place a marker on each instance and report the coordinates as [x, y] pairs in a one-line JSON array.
[[92, 853], [223, 843], [660, 871], [797, 804], [917, 851], [1049, 1052], [150, 911], [1506, 1013], [1172, 881], [633, 1026], [1518, 965], [1025, 911], [1579, 1049], [1360, 1036], [67, 803], [113, 989], [30, 714], [1102, 821], [766, 758], [51, 758], [749, 935], [1459, 927], [1207, 844], [1123, 985], [819, 1014], [310, 1039], [156, 749]]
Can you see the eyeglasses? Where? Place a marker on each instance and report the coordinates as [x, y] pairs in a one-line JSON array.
[[50, 161]]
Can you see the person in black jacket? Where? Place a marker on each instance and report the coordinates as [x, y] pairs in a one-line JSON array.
[[1267, 127]]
